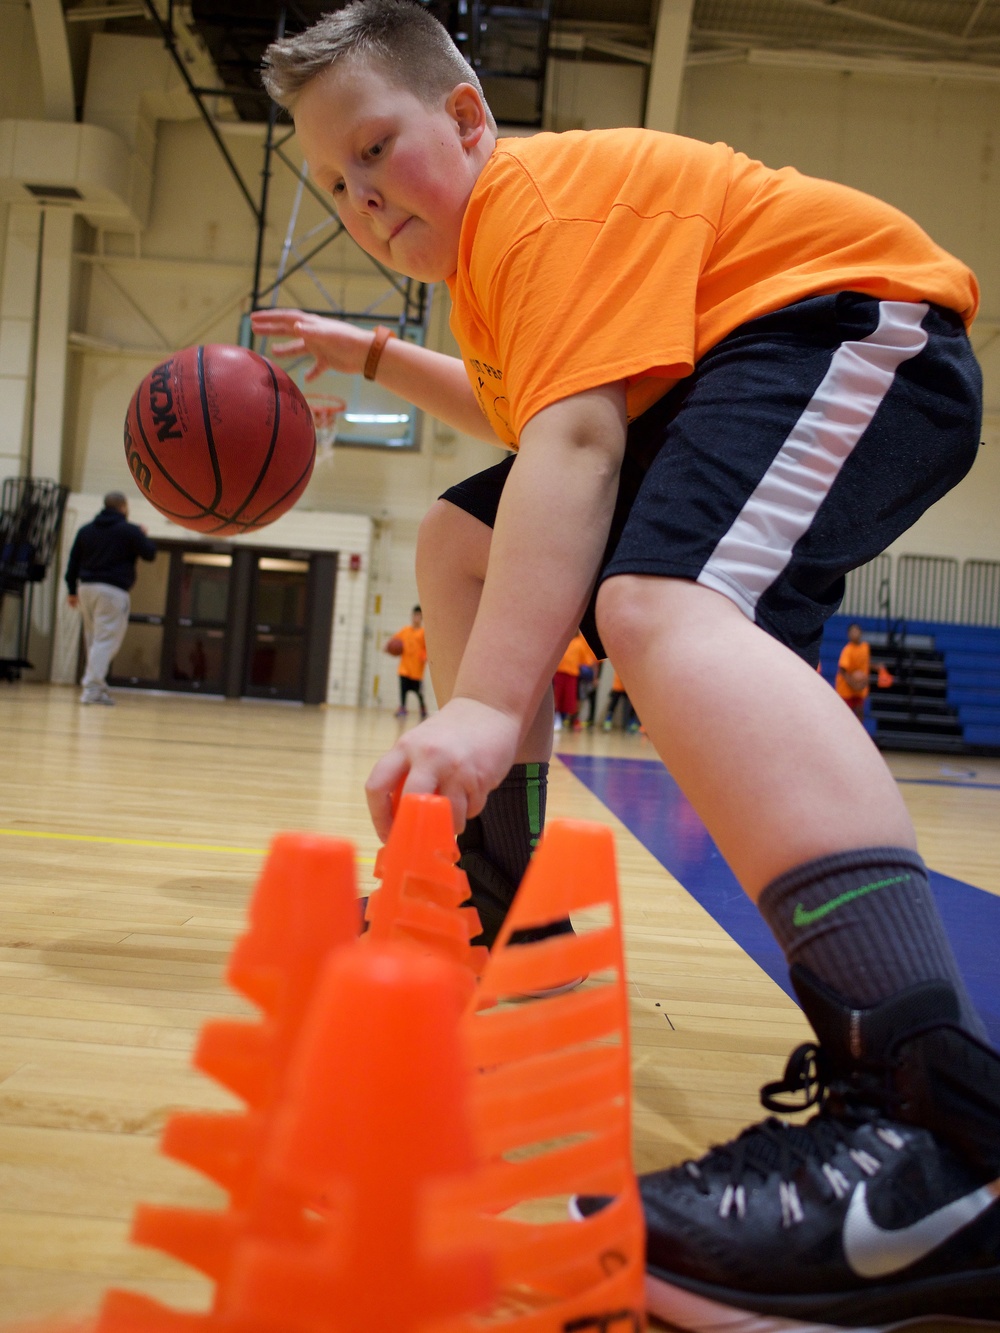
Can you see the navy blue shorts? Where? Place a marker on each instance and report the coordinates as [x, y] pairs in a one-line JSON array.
[[803, 444]]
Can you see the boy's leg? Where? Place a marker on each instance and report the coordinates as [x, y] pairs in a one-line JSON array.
[[885, 1206], [806, 1223], [785, 781], [762, 747], [452, 554]]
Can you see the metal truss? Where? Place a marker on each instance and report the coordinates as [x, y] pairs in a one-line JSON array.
[[404, 302]]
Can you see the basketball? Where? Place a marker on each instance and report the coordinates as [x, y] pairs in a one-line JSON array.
[[219, 439], [394, 646]]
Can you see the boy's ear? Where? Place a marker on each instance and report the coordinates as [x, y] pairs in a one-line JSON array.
[[466, 108]]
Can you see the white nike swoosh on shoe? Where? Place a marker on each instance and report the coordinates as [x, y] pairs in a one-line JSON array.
[[871, 1251]]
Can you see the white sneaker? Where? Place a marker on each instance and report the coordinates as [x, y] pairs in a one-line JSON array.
[[557, 724]]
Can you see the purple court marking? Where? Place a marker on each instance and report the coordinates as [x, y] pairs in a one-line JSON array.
[[644, 796]]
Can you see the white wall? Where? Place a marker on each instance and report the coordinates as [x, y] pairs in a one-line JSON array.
[[926, 146]]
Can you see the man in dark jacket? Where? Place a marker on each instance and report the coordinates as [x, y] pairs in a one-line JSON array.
[[100, 572]]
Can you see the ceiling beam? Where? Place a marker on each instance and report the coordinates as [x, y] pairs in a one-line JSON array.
[[58, 96]]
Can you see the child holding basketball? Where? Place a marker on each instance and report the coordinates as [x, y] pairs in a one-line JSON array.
[[853, 670], [412, 661], [726, 386]]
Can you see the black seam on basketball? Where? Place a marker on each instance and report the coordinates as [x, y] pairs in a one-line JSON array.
[[203, 510], [258, 518], [271, 447], [251, 524], [209, 437]]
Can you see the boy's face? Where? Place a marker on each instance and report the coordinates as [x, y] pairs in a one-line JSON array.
[[400, 171], [854, 633]]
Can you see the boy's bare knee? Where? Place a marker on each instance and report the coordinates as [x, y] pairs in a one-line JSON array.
[[452, 541], [621, 617]]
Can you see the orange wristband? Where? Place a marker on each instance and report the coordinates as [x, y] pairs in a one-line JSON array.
[[382, 336]]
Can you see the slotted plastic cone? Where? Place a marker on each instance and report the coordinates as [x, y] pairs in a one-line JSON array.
[[552, 1100], [376, 1121], [303, 911], [421, 888]]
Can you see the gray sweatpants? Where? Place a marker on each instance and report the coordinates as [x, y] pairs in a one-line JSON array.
[[105, 611]]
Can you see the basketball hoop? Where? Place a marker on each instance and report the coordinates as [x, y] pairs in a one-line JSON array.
[[325, 409]]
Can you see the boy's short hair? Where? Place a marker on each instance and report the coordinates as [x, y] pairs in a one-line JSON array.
[[116, 500], [412, 47]]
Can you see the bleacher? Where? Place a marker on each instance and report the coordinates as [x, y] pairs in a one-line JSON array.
[[946, 693]]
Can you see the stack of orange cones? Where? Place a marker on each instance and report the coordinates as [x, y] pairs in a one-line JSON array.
[[303, 910], [411, 1139], [422, 889], [552, 1100], [394, 1160]]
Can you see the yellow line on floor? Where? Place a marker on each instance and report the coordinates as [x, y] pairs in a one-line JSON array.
[[144, 842]]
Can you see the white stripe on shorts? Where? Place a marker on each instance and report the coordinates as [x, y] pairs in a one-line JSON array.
[[758, 546]]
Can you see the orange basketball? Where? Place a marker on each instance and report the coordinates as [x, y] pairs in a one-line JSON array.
[[219, 439], [394, 646]]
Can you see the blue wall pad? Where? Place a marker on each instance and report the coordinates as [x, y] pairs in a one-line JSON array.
[[644, 796]]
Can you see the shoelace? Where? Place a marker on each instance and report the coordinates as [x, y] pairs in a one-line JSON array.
[[772, 1145]]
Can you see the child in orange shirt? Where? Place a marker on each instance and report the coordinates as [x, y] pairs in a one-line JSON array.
[[853, 672], [726, 386], [566, 682], [412, 661], [618, 694]]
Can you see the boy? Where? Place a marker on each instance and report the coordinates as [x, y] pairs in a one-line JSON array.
[[412, 661], [573, 675], [726, 386], [853, 670]]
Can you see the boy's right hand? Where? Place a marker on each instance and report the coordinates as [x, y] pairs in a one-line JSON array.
[[335, 344], [462, 752]]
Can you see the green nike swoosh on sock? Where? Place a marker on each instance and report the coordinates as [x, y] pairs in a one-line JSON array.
[[804, 916]]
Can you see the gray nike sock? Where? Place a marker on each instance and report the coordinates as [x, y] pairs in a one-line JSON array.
[[866, 924]]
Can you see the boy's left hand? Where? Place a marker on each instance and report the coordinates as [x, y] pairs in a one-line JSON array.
[[462, 752]]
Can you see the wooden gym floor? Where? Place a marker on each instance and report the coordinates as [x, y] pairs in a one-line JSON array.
[[130, 839]]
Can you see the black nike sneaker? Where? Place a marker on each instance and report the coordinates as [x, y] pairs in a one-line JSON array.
[[881, 1210]]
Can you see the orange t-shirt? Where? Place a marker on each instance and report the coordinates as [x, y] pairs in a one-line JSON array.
[[601, 255], [578, 653], [414, 656], [853, 657]]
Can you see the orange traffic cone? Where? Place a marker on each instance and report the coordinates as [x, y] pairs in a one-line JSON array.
[[303, 911], [422, 888], [376, 1122], [552, 1100]]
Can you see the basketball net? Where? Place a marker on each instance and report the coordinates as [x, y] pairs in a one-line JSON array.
[[325, 408]]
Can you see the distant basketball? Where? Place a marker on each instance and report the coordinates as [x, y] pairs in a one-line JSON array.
[[394, 646], [219, 439]]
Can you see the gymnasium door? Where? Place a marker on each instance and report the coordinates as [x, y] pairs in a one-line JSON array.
[[230, 621], [276, 660], [198, 638]]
